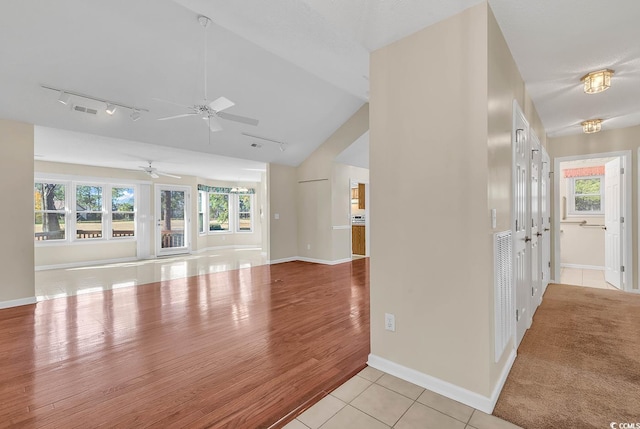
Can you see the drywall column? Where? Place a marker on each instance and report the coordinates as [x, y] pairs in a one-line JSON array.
[[16, 182], [431, 256], [283, 213]]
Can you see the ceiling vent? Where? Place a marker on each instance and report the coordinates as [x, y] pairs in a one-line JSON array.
[[85, 109]]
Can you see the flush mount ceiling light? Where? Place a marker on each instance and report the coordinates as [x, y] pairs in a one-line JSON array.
[[65, 98], [597, 81], [591, 126]]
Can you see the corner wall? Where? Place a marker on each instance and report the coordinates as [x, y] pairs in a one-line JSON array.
[[16, 180], [429, 158]]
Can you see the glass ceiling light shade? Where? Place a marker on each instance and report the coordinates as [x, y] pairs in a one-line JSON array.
[[111, 109], [597, 81], [64, 98], [591, 126]]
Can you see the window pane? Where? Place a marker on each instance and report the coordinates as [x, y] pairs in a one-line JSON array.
[[122, 199], [244, 212], [89, 225], [587, 186], [201, 209], [123, 225], [218, 212], [49, 196], [88, 198], [49, 226], [588, 203]]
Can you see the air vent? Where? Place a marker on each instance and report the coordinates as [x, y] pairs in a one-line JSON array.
[[256, 145], [85, 109]]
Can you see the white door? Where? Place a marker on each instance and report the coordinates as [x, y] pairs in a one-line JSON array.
[[612, 222], [534, 210], [521, 248], [544, 241], [172, 220]]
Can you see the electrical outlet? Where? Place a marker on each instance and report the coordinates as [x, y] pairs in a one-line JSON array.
[[389, 322]]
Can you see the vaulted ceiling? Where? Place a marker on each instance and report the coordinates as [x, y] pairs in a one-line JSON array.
[[298, 66]]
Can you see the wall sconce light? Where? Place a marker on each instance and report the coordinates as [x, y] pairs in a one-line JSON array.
[[591, 126], [597, 81]]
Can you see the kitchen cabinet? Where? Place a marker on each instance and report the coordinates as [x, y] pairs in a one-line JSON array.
[[358, 245], [361, 195]]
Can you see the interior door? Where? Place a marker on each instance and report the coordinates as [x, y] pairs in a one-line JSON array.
[[172, 220], [544, 241], [534, 211], [612, 222], [521, 224]]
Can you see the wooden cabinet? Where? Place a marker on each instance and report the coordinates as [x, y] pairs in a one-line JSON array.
[[361, 195], [358, 245]]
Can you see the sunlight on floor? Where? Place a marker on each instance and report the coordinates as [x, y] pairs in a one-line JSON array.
[[95, 278]]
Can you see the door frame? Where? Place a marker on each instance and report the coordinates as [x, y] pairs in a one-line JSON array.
[[187, 221], [627, 249], [367, 229]]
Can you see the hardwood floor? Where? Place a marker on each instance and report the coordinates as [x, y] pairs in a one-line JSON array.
[[241, 349]]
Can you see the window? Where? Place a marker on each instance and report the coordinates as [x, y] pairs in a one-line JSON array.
[[66, 211], [88, 211], [123, 212], [50, 211], [219, 212], [245, 223], [587, 195], [202, 210]]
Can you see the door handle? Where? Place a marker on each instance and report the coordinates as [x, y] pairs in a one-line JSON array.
[[538, 234], [546, 229], [527, 239]]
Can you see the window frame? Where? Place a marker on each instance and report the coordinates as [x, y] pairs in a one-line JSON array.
[[203, 212], [75, 212], [64, 211], [71, 227], [571, 182], [230, 205], [238, 212]]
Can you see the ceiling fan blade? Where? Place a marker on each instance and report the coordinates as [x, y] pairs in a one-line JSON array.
[[172, 102], [153, 174], [168, 175], [177, 116], [214, 123], [238, 118], [220, 104]]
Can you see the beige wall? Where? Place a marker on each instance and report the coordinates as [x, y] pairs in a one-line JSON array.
[[16, 180], [606, 141], [428, 145], [322, 194], [283, 197], [51, 254]]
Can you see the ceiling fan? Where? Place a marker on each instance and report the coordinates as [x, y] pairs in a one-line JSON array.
[[210, 111], [154, 173]]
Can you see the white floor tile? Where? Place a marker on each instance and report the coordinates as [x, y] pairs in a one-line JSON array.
[[322, 411], [420, 416], [351, 418], [352, 388], [400, 386], [382, 403]]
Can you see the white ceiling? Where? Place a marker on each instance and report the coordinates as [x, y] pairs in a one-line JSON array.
[[299, 66]]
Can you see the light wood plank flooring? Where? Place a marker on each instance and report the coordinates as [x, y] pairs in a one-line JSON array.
[[241, 348]]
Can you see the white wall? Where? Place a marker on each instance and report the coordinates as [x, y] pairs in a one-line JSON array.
[[16, 181]]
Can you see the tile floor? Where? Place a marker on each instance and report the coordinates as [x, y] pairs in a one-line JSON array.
[[582, 277], [94, 278], [373, 399]]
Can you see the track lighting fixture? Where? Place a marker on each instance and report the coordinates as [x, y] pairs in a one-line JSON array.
[[282, 145], [65, 98], [135, 115]]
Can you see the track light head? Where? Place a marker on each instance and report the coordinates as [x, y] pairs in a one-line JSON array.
[[111, 109], [135, 115], [64, 98]]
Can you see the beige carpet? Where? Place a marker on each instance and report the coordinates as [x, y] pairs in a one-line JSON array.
[[579, 364]]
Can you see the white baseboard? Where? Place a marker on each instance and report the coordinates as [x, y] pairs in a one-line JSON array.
[[583, 267], [312, 260], [228, 247], [18, 302], [452, 391], [86, 263]]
